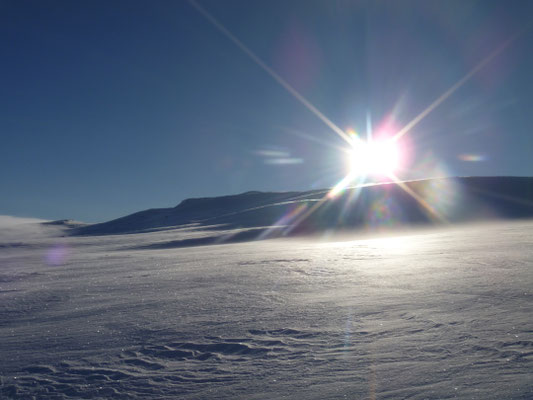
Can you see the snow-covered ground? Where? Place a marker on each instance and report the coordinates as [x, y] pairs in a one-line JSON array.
[[437, 314]]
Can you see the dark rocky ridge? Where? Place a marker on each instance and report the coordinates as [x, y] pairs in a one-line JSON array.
[[372, 207]]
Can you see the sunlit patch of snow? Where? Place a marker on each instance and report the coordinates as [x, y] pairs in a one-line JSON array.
[[425, 315]]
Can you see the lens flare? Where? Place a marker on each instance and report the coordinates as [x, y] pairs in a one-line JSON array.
[[471, 157], [371, 157]]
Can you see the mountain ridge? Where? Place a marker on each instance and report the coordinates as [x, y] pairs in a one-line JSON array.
[[425, 201]]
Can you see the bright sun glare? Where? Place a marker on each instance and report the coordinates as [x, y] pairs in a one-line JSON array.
[[373, 158]]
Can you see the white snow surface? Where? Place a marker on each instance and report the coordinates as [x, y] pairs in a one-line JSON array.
[[438, 314]]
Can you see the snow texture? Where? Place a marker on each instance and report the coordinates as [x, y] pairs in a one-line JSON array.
[[437, 314], [187, 303]]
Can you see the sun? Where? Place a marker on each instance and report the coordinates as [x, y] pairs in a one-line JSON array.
[[373, 158]]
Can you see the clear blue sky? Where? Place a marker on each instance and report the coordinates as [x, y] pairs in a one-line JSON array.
[[111, 107]]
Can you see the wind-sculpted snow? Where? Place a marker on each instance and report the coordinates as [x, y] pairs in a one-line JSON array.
[[436, 314]]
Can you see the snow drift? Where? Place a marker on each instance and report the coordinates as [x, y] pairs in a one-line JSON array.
[[428, 314], [439, 314]]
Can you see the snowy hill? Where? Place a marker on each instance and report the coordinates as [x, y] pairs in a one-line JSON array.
[[424, 314], [376, 207], [431, 314]]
